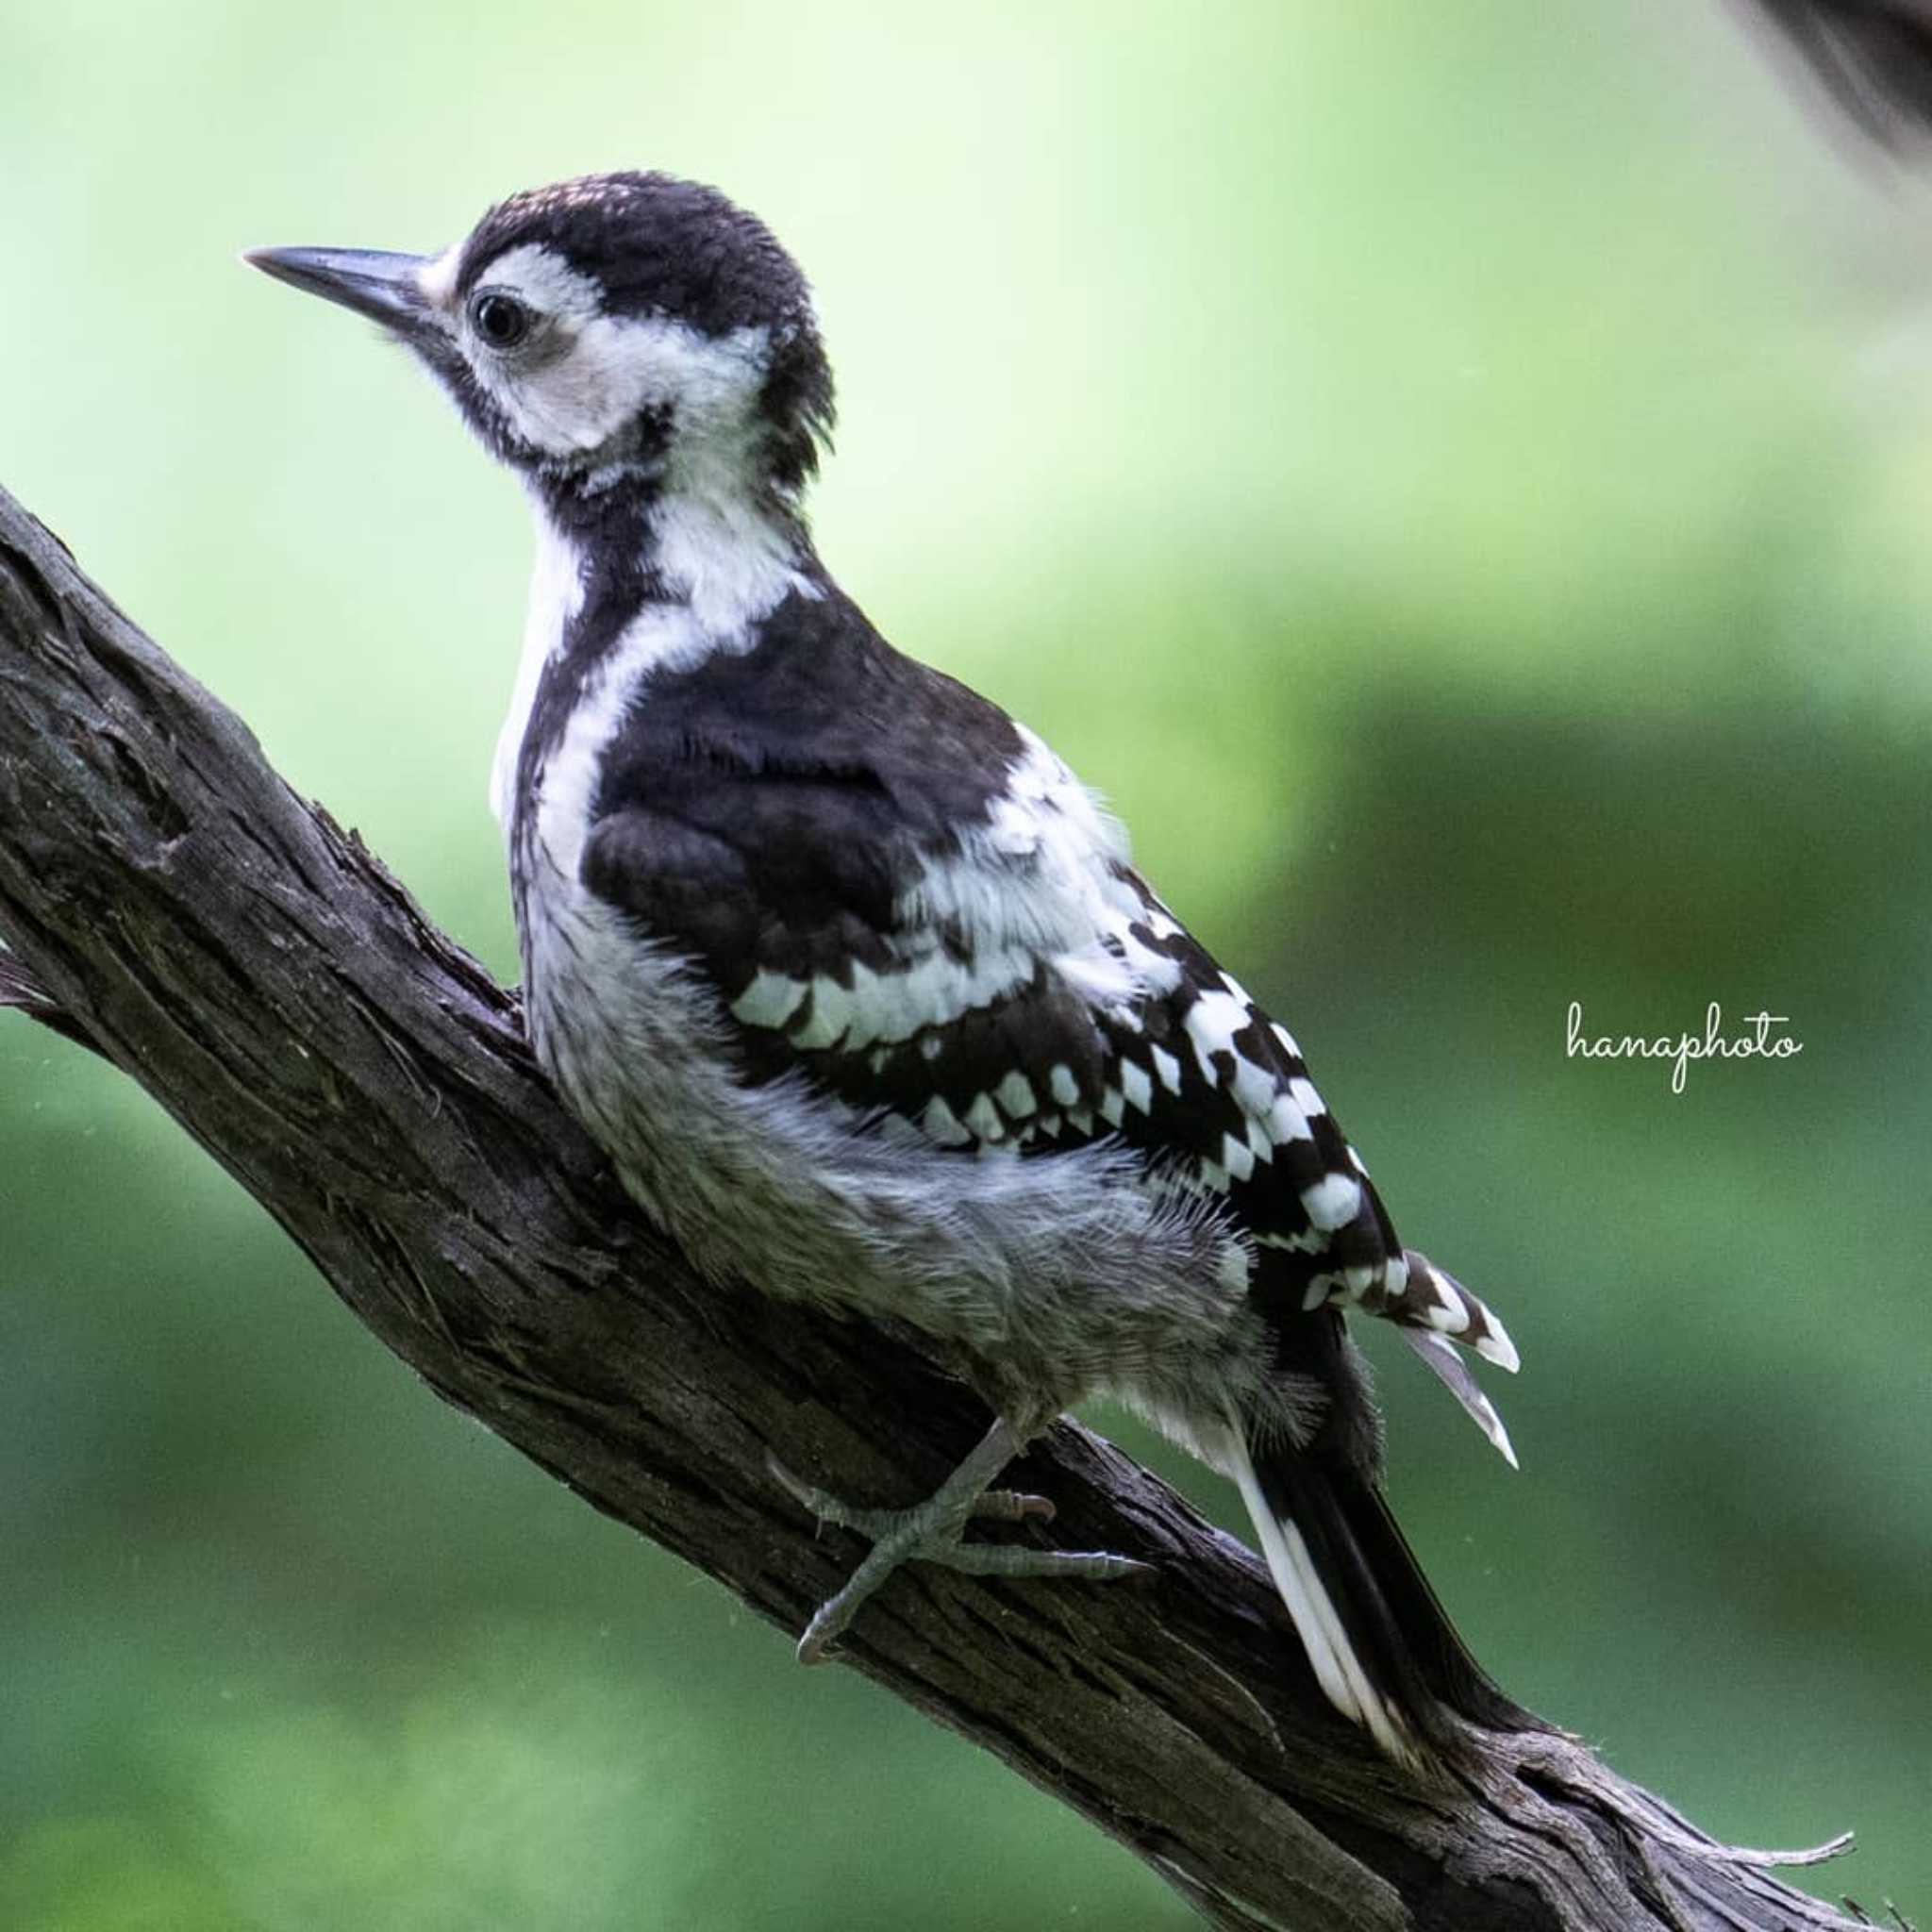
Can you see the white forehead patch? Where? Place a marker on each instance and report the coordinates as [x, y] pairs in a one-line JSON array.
[[436, 278]]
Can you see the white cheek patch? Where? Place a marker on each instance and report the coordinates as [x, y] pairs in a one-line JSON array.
[[621, 365], [603, 370]]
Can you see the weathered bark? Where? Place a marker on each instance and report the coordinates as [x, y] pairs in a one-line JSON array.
[[170, 902]]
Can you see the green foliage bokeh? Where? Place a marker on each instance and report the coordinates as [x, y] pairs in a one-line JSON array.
[[1458, 478]]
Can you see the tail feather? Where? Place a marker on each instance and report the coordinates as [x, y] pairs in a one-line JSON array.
[[1432, 1310], [1338, 1668], [1419, 1294], [1409, 1289], [1382, 1648], [1452, 1371]]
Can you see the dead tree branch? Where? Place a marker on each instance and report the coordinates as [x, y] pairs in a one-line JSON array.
[[173, 904]]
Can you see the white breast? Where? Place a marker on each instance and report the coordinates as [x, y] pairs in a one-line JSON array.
[[556, 595]]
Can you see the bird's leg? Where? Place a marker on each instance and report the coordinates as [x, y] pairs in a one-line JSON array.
[[930, 1532]]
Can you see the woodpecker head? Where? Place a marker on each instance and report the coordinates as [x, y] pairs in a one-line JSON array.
[[613, 327]]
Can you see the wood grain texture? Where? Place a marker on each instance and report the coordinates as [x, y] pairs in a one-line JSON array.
[[170, 902]]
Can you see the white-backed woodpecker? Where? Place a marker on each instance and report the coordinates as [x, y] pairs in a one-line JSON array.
[[853, 979]]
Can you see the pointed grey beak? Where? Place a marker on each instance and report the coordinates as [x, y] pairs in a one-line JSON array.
[[386, 288]]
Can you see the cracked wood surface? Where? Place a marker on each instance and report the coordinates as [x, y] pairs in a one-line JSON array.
[[174, 905]]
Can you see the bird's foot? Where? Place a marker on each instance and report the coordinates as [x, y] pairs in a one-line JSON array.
[[932, 1531], [882, 1525]]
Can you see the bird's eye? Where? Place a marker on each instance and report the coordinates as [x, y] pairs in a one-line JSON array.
[[501, 320]]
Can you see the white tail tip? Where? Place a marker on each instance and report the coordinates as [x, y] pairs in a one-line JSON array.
[[1337, 1668]]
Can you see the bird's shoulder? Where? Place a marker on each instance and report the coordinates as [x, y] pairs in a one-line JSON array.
[[819, 700], [819, 801]]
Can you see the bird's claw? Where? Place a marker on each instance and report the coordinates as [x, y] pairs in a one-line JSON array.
[[930, 1532], [995, 1505]]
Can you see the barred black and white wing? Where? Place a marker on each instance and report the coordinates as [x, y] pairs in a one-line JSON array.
[[910, 900]]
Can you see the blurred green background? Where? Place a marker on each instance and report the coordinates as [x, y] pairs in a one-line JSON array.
[[1459, 477]]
